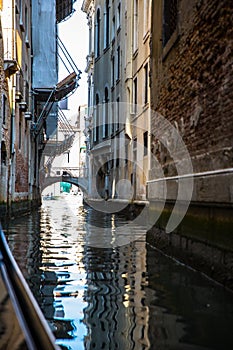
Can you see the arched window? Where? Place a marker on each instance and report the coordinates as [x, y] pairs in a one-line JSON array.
[[97, 34], [106, 23]]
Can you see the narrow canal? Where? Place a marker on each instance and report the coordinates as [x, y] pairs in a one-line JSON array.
[[118, 296]]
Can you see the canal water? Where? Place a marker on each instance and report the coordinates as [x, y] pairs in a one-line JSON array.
[[99, 292]]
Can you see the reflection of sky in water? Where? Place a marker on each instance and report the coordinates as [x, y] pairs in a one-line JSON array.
[[62, 255]]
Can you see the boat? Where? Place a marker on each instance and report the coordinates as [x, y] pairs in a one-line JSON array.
[[48, 197], [22, 325]]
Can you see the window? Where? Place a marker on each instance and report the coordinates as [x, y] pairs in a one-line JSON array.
[[20, 132], [106, 114], [146, 15], [90, 38], [89, 92], [113, 71], [118, 114], [106, 23], [68, 157], [170, 16], [21, 16], [3, 153], [135, 150], [119, 16], [96, 120], [113, 27], [26, 92], [4, 108], [135, 94], [145, 142], [25, 142], [135, 26], [146, 84], [112, 117], [97, 34], [26, 25], [118, 62]]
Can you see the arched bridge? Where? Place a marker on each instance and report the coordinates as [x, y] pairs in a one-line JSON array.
[[80, 181]]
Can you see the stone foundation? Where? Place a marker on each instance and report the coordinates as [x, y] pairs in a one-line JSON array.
[[203, 240]]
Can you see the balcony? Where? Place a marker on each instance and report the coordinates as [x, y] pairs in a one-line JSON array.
[[57, 93], [11, 65]]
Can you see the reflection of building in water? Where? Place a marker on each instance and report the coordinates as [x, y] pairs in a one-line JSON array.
[[125, 310], [134, 295], [165, 296], [26, 249], [116, 316]]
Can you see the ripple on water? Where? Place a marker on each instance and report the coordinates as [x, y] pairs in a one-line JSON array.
[[109, 296]]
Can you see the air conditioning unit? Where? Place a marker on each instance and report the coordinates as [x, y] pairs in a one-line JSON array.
[[28, 115], [23, 106]]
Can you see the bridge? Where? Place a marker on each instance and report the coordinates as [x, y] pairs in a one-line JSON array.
[[74, 176]]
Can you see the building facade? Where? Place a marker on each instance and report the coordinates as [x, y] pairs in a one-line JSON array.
[[4, 125], [30, 92], [17, 175], [160, 126], [137, 64], [119, 98]]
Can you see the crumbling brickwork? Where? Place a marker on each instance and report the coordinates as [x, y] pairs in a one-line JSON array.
[[192, 81], [21, 180]]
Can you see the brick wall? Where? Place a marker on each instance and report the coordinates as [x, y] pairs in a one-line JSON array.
[[192, 86], [21, 178]]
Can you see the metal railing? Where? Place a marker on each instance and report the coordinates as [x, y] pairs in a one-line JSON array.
[[68, 61]]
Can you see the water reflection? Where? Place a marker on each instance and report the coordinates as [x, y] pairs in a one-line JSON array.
[[115, 316], [126, 297]]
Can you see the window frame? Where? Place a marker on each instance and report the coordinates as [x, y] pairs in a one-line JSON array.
[[97, 33], [107, 24]]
